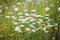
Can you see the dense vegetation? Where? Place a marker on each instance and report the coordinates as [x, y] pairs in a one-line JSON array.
[[29, 19]]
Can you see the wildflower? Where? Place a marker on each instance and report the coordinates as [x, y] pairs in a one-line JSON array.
[[10, 13], [14, 6], [28, 0], [58, 8], [0, 6], [27, 14], [15, 23], [13, 17], [51, 5], [20, 13], [20, 16], [7, 16], [46, 17], [18, 3], [27, 29], [17, 28], [33, 15], [31, 25], [16, 9], [46, 31], [33, 30], [6, 7], [0, 10], [38, 15], [47, 8], [21, 25], [40, 20], [47, 14], [33, 10]]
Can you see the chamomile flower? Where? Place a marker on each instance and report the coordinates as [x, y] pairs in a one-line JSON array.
[[28, 0], [26, 14], [20, 13], [33, 10], [18, 3], [47, 8], [13, 17], [0, 10], [16, 9], [7, 16], [28, 29], [15, 23], [46, 31], [33, 30], [6, 7], [58, 8], [21, 25], [47, 15], [17, 28], [10, 13], [0, 6]]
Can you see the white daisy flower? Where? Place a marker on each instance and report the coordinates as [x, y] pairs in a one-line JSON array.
[[46, 31], [7, 16], [47, 14], [0, 10], [46, 17], [6, 7], [51, 5], [17, 28], [10, 13], [33, 10], [28, 0], [39, 27], [0, 6], [33, 30], [58, 8], [20, 16], [33, 23], [40, 20], [49, 19], [18, 3], [21, 25], [15, 23], [27, 29], [56, 24], [26, 14], [13, 17], [47, 8], [20, 13], [14, 6], [16, 9], [38, 16]]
